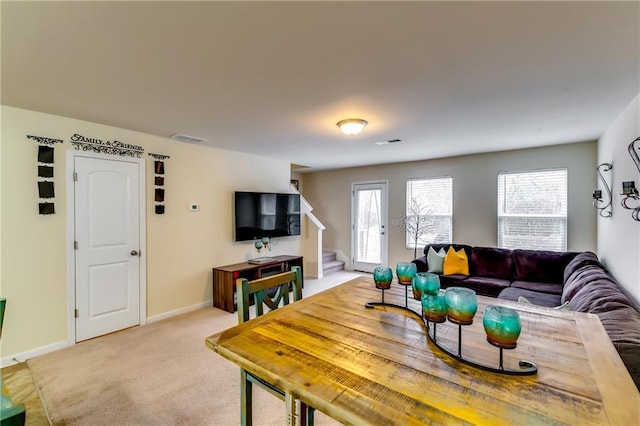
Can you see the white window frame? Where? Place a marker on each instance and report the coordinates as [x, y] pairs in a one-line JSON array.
[[563, 217], [411, 244]]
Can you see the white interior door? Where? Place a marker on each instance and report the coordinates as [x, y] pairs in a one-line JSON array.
[[107, 235], [369, 226]]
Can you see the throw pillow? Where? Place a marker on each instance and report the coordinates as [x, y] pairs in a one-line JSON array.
[[455, 262], [563, 307], [524, 300], [435, 260]]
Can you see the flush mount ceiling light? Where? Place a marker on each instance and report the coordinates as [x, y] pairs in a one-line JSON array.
[[351, 126]]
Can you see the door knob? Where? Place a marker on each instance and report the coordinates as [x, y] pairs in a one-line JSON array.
[[134, 252]]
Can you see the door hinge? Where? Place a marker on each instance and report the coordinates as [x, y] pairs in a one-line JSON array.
[[75, 245], [76, 313], [75, 176]]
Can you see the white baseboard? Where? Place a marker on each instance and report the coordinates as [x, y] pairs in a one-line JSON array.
[[23, 356], [169, 314], [14, 359]]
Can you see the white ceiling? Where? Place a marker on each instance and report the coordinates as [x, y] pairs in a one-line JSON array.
[[448, 78]]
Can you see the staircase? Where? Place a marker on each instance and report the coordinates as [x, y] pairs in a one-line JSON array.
[[329, 262]]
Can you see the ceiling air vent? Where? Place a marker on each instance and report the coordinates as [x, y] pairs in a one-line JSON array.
[[388, 142], [186, 138]]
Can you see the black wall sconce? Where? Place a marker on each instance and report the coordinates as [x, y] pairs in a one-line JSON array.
[[629, 190], [600, 204]]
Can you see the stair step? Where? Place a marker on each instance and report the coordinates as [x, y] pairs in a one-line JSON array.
[[334, 266], [328, 256]]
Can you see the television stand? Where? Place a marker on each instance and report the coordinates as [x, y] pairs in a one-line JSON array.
[[224, 277], [261, 260]]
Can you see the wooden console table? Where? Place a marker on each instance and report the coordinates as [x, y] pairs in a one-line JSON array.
[[224, 277]]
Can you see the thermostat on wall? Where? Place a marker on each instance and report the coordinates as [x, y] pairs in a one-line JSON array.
[[194, 207]]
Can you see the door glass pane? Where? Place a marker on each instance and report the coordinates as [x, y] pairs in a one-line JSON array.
[[368, 226]]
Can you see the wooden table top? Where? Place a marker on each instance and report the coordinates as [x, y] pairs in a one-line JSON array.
[[376, 366]]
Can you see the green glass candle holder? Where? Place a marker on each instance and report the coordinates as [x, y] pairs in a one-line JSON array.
[[462, 304], [502, 326], [434, 307], [424, 282], [405, 272], [383, 277]]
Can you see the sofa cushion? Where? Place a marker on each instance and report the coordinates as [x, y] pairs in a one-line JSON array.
[[455, 262], [486, 286], [491, 262], [451, 280], [551, 288], [541, 265], [623, 327], [435, 260], [598, 296], [580, 277], [535, 297], [581, 260]]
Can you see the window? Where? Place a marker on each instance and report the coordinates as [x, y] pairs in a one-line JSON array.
[[532, 210], [429, 211]]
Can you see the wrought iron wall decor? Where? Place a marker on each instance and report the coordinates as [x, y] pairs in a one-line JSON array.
[[158, 181], [46, 141], [600, 204], [45, 164], [106, 147], [629, 190]]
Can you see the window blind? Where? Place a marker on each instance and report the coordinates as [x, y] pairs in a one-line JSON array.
[[532, 210], [432, 200]]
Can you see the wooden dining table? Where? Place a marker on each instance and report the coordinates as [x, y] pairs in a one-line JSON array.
[[376, 366]]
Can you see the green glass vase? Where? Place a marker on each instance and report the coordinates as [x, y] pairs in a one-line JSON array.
[[502, 326], [382, 276], [434, 307], [424, 282], [462, 304], [405, 272]]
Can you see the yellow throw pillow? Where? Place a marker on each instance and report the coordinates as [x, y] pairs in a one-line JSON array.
[[455, 262]]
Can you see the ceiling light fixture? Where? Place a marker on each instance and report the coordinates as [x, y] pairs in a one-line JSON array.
[[351, 126]]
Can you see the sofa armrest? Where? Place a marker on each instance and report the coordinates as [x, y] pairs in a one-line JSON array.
[[421, 264]]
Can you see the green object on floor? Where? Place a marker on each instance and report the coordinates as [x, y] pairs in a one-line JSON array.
[[10, 414], [3, 303]]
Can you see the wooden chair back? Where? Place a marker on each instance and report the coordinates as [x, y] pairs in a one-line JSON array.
[[260, 290]]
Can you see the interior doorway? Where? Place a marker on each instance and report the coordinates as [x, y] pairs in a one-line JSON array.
[[107, 222]]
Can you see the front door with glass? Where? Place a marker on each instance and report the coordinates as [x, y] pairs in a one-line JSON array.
[[369, 226]]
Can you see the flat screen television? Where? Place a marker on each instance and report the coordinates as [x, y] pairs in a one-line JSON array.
[[265, 214]]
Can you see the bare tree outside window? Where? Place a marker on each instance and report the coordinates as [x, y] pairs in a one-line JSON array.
[[428, 212], [416, 223]]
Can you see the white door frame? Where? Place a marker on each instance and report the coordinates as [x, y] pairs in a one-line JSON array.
[[71, 220], [384, 255]]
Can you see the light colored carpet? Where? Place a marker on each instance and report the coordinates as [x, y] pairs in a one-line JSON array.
[[158, 374]]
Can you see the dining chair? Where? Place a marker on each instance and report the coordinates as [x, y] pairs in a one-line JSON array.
[[270, 292], [10, 414]]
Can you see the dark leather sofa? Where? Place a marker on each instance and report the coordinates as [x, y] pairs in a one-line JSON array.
[[551, 279]]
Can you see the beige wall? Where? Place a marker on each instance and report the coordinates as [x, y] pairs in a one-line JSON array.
[[182, 246], [474, 194], [619, 235]]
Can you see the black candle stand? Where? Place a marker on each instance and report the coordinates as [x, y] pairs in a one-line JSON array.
[[527, 368]]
